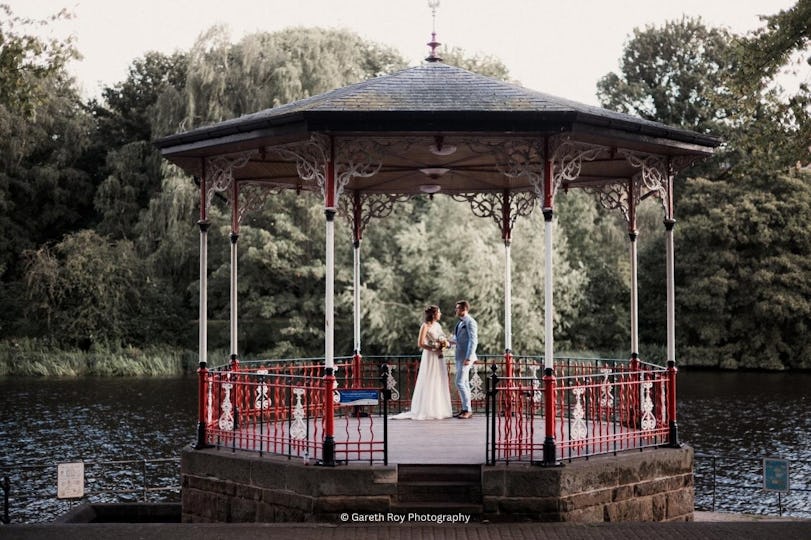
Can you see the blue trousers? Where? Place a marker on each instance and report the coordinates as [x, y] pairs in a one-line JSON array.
[[463, 382]]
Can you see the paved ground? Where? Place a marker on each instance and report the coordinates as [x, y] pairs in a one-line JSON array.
[[742, 528]]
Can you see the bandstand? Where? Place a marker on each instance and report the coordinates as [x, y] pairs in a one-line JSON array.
[[436, 130]]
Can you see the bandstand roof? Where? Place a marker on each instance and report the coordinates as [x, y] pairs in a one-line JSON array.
[[399, 117]]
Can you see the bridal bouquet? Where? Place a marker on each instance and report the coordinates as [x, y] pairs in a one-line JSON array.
[[439, 344]]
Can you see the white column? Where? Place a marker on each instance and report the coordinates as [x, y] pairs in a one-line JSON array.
[[548, 305], [508, 325], [329, 322], [671, 291], [634, 295], [234, 274], [203, 344], [356, 288]]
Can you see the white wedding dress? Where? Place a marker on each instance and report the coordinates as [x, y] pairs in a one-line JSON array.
[[432, 397]]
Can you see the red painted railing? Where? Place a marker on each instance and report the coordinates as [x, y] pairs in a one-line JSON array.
[[597, 407], [279, 407]]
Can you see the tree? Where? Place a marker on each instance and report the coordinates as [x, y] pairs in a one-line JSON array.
[[486, 65], [597, 245], [264, 70], [127, 112], [44, 191], [677, 74], [84, 289], [746, 305], [740, 273], [27, 60], [770, 48]]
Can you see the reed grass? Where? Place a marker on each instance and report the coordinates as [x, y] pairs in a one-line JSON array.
[[35, 358]]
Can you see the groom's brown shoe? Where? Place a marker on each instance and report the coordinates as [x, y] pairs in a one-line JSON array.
[[465, 415], [460, 413]]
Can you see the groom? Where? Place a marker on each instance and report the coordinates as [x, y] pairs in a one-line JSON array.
[[466, 338]]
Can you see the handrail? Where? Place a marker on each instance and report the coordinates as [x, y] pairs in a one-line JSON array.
[[279, 406], [730, 482], [43, 486], [597, 407]]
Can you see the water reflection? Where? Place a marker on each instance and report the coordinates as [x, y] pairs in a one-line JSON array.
[[746, 417], [46, 421]]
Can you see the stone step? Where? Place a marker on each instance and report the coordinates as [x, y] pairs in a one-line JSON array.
[[457, 474], [439, 491]]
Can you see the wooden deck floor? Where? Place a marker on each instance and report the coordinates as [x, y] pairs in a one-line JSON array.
[[437, 441], [449, 441]]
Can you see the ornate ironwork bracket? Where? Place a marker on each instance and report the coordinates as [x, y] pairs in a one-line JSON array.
[[310, 156], [654, 177], [616, 197], [515, 158], [220, 172], [357, 158], [568, 157], [366, 207], [493, 205], [253, 197]]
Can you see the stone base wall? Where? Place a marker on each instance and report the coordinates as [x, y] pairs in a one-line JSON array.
[[652, 485], [223, 486]]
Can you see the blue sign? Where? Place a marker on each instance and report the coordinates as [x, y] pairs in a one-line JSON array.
[[775, 475], [359, 396]]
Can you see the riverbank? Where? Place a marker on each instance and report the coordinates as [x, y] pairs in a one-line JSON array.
[[31, 358]]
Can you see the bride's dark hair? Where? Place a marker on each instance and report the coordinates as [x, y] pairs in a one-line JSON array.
[[430, 313]]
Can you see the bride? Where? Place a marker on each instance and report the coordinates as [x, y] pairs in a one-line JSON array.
[[432, 398]]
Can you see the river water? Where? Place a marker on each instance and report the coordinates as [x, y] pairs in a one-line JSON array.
[[741, 417]]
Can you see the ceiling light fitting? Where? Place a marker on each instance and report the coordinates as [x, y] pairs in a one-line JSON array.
[[434, 172], [440, 149]]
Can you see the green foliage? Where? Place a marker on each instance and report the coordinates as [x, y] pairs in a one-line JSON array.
[[486, 65], [750, 295], [742, 291], [30, 357], [111, 260], [264, 70], [441, 254], [771, 47], [45, 191], [27, 61], [87, 290], [676, 74]]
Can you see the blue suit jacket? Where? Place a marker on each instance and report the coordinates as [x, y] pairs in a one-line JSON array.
[[466, 333]]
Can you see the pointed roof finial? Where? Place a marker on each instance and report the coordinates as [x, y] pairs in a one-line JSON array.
[[433, 4]]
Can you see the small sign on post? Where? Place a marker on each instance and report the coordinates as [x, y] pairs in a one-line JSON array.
[[359, 396], [775, 475], [70, 480]]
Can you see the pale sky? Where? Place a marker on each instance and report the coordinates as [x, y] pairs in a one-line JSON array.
[[562, 47]]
